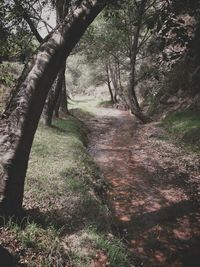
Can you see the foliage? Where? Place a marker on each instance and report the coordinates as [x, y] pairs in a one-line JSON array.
[[173, 51], [16, 38], [186, 127], [9, 74], [83, 76]]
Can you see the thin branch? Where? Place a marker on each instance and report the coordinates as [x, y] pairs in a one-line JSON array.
[[151, 5], [27, 18], [144, 40], [32, 27]]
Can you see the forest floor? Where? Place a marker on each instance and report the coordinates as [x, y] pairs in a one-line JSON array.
[[64, 223], [152, 191], [153, 187]]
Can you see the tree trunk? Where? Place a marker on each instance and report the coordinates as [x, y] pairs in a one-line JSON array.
[[55, 94], [108, 83], [19, 122], [63, 103], [134, 105], [52, 98], [56, 110], [115, 97], [110, 91], [115, 82], [119, 76], [113, 78]]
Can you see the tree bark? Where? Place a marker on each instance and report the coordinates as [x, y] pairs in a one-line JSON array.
[[56, 110], [63, 103], [55, 94], [115, 97], [50, 105], [119, 76], [116, 85], [134, 105], [113, 78], [108, 83], [19, 122], [52, 98]]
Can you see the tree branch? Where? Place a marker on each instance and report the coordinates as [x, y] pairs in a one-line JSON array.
[[27, 18]]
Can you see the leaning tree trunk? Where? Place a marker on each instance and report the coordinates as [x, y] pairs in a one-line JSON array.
[[52, 99], [19, 122], [133, 101], [55, 92], [61, 8]]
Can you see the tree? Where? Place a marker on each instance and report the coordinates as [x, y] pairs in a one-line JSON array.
[[108, 82], [102, 44], [172, 66], [121, 35], [16, 37], [53, 97], [134, 49], [20, 119], [57, 94], [28, 14]]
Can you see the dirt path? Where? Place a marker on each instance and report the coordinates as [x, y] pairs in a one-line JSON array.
[[153, 189]]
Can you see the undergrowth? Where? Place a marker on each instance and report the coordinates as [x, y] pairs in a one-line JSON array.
[[9, 72], [65, 222], [106, 104], [185, 126]]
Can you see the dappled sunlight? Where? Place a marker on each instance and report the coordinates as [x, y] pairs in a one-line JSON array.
[[150, 194]]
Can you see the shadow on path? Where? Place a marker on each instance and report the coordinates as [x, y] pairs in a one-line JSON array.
[[6, 258], [154, 201]]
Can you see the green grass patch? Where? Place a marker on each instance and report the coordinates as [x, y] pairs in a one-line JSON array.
[[84, 108], [81, 114], [62, 203], [185, 126], [116, 251], [106, 104]]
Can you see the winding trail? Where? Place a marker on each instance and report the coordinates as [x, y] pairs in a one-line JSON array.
[[153, 189]]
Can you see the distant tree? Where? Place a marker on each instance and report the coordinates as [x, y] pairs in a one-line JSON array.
[[121, 36]]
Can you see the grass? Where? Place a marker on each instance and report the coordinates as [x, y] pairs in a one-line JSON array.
[[86, 105], [185, 126], [81, 113], [116, 251], [106, 104], [62, 205]]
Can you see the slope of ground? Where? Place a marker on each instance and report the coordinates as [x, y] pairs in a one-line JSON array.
[[153, 188], [185, 126], [65, 223]]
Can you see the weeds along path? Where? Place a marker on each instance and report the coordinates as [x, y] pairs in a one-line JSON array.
[[153, 188]]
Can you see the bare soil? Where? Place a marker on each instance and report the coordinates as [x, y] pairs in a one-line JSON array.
[[153, 188]]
